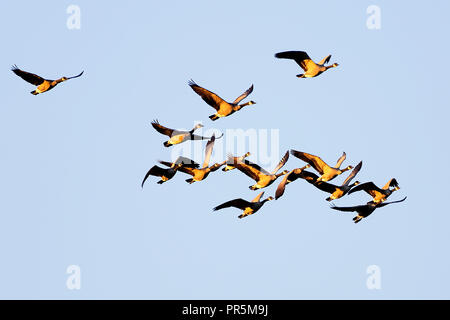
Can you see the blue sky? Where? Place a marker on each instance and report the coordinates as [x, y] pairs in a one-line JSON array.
[[73, 158]]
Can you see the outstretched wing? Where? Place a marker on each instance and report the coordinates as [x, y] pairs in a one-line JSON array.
[[349, 209], [185, 161], [282, 186], [391, 183], [340, 160], [250, 171], [257, 168], [315, 161], [325, 60], [300, 57], [244, 95], [208, 151], [209, 97], [237, 203], [161, 129], [386, 203], [154, 171], [282, 162], [368, 187], [76, 76], [258, 197], [28, 77], [352, 174]]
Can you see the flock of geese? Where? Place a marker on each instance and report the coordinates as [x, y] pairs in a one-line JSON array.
[[262, 177]]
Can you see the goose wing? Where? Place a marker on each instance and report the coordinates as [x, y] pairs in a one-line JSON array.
[[243, 96], [235, 162], [352, 174], [300, 57], [386, 203], [250, 171], [185, 161], [368, 187], [282, 186], [161, 129], [79, 75], [28, 77], [258, 197], [391, 183], [208, 151], [350, 209], [209, 97], [325, 60], [324, 186], [340, 160], [315, 161], [282, 162], [154, 171], [237, 203], [312, 179]]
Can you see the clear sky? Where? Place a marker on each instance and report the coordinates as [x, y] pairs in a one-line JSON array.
[[72, 159]]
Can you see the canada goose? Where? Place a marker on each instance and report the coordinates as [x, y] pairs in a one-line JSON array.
[[290, 177], [336, 191], [222, 107], [178, 136], [311, 68], [327, 173], [248, 207], [168, 173], [42, 84], [379, 195], [262, 177], [199, 174], [364, 210], [233, 160]]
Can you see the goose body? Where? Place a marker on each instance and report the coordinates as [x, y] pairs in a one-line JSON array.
[[168, 173], [199, 174], [248, 207], [335, 190], [364, 210], [43, 85], [327, 172], [222, 107], [311, 68], [378, 194], [262, 177], [178, 136]]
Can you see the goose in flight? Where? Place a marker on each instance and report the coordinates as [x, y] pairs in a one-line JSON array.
[[378, 194], [248, 207], [262, 177], [364, 210], [167, 173], [290, 177], [335, 191], [327, 173], [178, 136], [223, 108], [199, 174], [42, 84], [311, 68], [230, 163]]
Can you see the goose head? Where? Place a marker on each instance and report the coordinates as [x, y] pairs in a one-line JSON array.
[[354, 184], [197, 126]]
